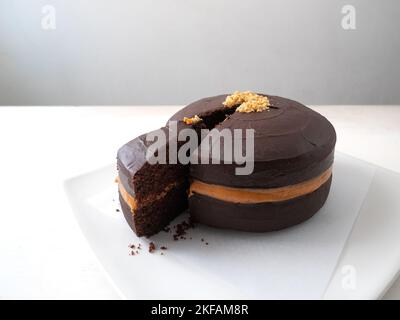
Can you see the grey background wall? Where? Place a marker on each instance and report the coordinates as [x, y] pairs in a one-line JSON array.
[[129, 52]]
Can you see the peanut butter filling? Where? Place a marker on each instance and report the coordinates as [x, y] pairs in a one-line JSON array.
[[246, 195], [133, 203], [235, 195], [130, 200]]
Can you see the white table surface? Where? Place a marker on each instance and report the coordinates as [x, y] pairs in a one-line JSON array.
[[42, 251]]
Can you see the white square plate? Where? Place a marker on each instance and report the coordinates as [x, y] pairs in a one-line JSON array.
[[298, 262]]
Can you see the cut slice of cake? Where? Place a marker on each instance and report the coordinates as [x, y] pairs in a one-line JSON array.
[[151, 195]]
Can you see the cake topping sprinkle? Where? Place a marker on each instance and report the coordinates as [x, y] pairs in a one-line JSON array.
[[192, 120], [247, 102]]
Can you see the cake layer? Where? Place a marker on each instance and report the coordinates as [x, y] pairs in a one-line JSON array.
[[151, 195], [153, 218], [134, 204], [138, 176], [246, 195], [292, 143], [257, 217]]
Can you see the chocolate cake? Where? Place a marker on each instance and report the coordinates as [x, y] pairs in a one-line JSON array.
[[290, 180], [151, 195]]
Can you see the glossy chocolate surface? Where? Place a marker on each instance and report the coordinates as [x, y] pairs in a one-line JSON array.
[[260, 217], [292, 143]]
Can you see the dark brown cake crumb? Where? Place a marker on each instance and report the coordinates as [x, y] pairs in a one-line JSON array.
[[117, 210], [152, 247], [134, 249], [179, 232], [181, 228], [167, 229]]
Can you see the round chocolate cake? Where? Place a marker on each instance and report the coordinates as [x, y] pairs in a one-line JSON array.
[[292, 155]]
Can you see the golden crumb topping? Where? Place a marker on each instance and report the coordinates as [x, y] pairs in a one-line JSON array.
[[192, 120], [247, 102]]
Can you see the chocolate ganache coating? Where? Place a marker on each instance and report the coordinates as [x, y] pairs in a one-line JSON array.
[[202, 107], [138, 176], [257, 217], [131, 158], [292, 143], [151, 194]]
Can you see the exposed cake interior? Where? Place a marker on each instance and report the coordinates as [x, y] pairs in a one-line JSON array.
[[155, 194]]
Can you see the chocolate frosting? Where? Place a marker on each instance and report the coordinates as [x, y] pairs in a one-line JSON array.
[[132, 156], [292, 143], [257, 217], [132, 162], [202, 108]]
